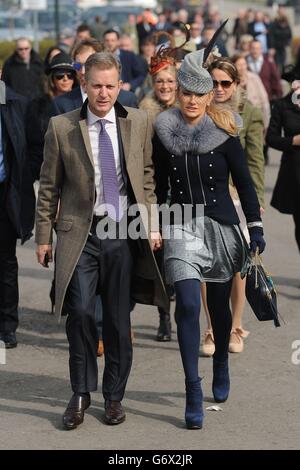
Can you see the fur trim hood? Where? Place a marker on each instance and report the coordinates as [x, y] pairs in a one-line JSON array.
[[178, 137]]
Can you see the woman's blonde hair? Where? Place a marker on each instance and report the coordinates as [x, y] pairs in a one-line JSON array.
[[223, 118]]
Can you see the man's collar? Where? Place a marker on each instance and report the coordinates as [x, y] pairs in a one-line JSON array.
[[93, 118], [2, 92], [119, 109]]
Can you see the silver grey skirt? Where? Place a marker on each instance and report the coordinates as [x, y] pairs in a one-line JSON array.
[[204, 249]]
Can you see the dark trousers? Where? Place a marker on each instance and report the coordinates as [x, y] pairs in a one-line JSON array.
[[9, 291], [105, 264]]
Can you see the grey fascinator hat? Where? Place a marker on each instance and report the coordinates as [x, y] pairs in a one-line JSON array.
[[192, 75]]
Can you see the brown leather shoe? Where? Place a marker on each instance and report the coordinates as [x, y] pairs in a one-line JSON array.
[[100, 351], [114, 413], [74, 414]]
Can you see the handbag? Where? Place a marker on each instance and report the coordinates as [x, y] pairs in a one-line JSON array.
[[260, 292]]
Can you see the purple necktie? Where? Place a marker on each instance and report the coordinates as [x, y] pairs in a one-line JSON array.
[[109, 172]]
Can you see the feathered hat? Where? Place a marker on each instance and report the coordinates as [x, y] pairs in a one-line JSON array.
[[192, 75]]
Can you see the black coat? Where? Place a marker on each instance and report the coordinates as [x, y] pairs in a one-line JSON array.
[[133, 71], [37, 119], [285, 118], [25, 79], [203, 179], [20, 200]]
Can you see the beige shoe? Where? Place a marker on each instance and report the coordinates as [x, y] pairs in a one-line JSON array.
[[236, 342], [208, 346]]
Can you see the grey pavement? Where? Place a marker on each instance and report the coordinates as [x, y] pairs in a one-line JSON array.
[[263, 408]]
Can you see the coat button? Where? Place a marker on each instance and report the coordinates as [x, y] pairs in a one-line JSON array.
[[211, 152], [181, 192], [214, 200], [175, 168], [210, 164], [172, 156], [210, 177], [211, 189], [177, 181]]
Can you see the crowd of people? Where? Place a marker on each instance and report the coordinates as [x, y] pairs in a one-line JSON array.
[[155, 114]]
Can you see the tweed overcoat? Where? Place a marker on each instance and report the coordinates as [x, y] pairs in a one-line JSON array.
[[68, 180]]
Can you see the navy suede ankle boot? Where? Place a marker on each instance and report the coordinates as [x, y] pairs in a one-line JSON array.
[[194, 408], [221, 381]]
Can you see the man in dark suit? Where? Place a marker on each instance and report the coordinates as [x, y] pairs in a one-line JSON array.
[[75, 98], [133, 73], [17, 205]]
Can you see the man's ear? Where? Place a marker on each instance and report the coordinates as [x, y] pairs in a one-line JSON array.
[[84, 85], [120, 83]]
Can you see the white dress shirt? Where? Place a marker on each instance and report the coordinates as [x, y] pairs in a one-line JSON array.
[[94, 130]]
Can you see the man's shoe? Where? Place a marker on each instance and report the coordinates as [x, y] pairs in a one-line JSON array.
[[9, 340], [114, 413], [74, 414]]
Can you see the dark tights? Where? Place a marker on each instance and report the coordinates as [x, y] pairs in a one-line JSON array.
[[187, 316]]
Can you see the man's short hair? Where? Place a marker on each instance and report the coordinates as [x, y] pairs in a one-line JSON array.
[[109, 31], [86, 44], [83, 27], [102, 61]]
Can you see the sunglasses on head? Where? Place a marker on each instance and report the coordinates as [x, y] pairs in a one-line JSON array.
[[223, 83], [77, 66], [61, 75]]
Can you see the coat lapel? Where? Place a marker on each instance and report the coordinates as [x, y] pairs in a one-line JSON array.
[[125, 128], [86, 139]]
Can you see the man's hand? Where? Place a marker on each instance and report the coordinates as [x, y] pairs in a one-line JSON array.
[[296, 139], [156, 240], [41, 252]]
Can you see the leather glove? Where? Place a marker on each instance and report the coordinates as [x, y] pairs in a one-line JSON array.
[[256, 239]]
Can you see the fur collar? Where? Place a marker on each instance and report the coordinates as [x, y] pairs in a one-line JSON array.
[[178, 137]]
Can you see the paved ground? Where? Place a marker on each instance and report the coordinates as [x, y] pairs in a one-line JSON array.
[[261, 413]]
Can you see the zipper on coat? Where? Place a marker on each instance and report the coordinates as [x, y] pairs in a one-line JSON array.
[[202, 189]]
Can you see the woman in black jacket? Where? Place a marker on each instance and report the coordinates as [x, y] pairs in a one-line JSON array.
[[284, 134], [61, 78], [195, 148]]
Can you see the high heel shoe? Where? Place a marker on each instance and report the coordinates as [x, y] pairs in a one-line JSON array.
[[194, 406], [164, 329], [221, 381], [208, 345]]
